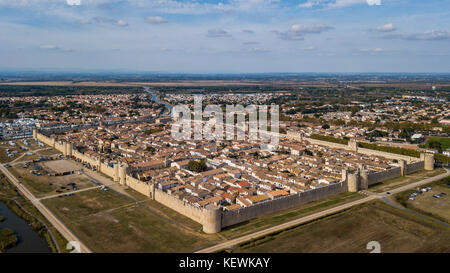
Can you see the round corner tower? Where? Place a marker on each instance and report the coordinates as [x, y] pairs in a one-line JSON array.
[[428, 161], [212, 220], [123, 174], [70, 149], [353, 182], [364, 179], [353, 145], [116, 172]]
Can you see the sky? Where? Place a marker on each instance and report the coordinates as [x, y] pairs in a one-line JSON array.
[[228, 36]]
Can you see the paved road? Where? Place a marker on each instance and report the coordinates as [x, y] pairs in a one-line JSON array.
[[231, 243], [65, 232]]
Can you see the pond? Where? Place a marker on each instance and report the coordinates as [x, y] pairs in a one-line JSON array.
[[29, 240]]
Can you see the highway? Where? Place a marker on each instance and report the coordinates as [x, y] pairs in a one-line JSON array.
[[371, 197], [65, 232]]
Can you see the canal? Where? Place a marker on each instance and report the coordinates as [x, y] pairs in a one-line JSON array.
[[155, 99], [29, 240]]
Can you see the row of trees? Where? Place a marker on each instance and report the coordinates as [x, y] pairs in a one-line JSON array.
[[330, 139], [389, 149]]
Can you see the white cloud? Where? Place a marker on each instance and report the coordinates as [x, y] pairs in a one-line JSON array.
[[297, 32], [433, 35], [310, 48], [122, 23], [372, 50], [73, 2], [337, 3], [48, 47], [156, 20], [385, 28], [374, 2], [54, 48], [104, 20], [217, 33]]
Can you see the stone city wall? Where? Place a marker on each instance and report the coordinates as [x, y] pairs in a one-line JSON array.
[[179, 206], [415, 167], [106, 169], [328, 144], [378, 177], [387, 155], [244, 214], [139, 186]]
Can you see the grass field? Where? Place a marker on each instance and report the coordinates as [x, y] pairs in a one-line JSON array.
[[351, 230], [4, 158], [277, 218], [49, 152], [404, 180], [111, 222], [425, 203], [32, 146], [445, 142]]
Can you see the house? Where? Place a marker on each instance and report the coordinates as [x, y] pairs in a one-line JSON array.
[[277, 193], [255, 199], [167, 185], [243, 202], [417, 137], [233, 207]]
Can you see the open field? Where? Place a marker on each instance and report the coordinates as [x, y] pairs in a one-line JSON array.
[[171, 83], [226, 82], [48, 152], [32, 157], [60, 165], [33, 148], [110, 222], [174, 216], [351, 230], [274, 219], [425, 203], [45, 185], [445, 141], [4, 158], [64, 83], [404, 180]]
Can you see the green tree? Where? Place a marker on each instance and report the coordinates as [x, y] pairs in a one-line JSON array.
[[197, 166]]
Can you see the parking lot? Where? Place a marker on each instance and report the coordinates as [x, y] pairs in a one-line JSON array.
[[50, 178], [433, 200]]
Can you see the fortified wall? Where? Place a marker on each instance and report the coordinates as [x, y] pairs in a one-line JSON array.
[[361, 179], [351, 146], [244, 214], [214, 219]]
